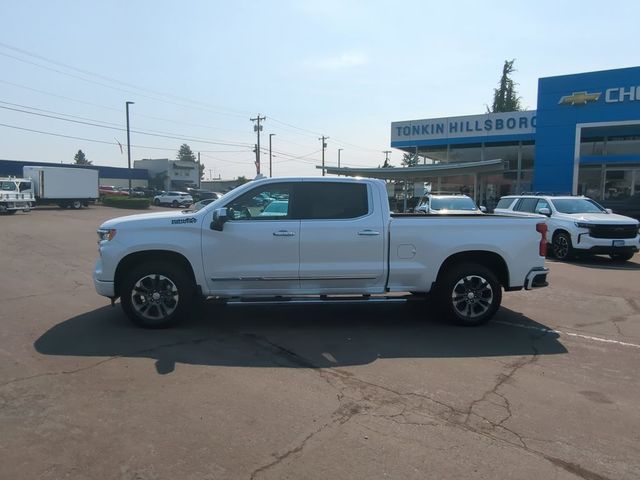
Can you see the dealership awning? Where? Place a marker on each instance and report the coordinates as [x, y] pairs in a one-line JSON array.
[[420, 171]]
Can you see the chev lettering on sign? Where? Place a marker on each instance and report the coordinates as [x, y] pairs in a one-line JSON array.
[[611, 95], [509, 123], [183, 220], [621, 94]]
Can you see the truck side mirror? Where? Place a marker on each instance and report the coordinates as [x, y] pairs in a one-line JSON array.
[[545, 211], [219, 219], [483, 209]]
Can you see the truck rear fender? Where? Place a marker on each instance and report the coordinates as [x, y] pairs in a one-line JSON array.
[[137, 258], [490, 260]]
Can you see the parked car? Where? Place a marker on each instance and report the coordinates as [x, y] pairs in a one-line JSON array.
[[200, 194], [175, 199], [277, 208], [202, 203], [449, 204], [110, 190], [578, 224]]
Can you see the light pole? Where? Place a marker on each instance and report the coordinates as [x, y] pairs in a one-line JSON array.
[[270, 156], [128, 145], [339, 150]]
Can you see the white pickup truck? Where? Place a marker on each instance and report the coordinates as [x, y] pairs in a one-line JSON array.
[[332, 236]]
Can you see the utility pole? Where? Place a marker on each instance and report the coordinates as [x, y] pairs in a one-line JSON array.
[[258, 128], [270, 156], [339, 150], [386, 157], [199, 176], [210, 174], [257, 160], [128, 145], [324, 146]]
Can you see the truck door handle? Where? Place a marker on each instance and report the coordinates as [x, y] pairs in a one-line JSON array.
[[284, 233], [368, 233]]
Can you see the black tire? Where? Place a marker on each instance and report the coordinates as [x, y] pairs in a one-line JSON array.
[[157, 295], [76, 204], [156, 201], [11, 212], [562, 247], [621, 256], [469, 294], [174, 204]]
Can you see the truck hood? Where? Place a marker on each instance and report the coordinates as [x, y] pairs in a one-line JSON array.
[[599, 218], [149, 219]]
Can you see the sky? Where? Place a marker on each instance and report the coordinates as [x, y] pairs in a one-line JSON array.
[[198, 71]]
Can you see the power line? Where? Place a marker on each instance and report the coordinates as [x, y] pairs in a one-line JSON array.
[[129, 92], [93, 140], [113, 80], [177, 122], [141, 132]]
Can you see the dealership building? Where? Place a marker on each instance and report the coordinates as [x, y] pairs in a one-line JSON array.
[[584, 138]]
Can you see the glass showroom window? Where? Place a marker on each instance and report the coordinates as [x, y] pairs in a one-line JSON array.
[[590, 182], [508, 152], [465, 153], [624, 145], [618, 184]]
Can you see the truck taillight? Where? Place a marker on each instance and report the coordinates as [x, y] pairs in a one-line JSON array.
[[541, 228]]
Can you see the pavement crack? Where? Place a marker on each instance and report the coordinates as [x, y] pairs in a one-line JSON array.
[[53, 374], [103, 361], [575, 469]]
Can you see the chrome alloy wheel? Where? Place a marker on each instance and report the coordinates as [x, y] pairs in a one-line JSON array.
[[471, 297], [154, 297], [560, 246]]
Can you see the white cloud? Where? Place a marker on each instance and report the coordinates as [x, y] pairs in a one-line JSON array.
[[344, 60]]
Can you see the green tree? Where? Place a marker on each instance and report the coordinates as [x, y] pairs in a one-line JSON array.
[[81, 159], [242, 180], [185, 154], [505, 97], [410, 160]]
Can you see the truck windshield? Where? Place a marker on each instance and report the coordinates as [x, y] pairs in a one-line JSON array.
[[577, 205], [7, 186], [453, 203]]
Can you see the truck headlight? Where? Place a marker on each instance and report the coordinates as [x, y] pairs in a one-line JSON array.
[[584, 225], [106, 234]]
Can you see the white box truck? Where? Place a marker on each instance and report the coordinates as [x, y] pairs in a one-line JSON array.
[[68, 187]]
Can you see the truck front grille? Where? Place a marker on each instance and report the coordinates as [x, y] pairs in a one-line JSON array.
[[613, 231]]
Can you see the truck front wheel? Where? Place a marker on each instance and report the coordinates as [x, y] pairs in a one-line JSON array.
[[156, 295], [469, 294]]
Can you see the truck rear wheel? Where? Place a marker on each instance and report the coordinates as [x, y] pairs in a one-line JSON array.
[[157, 295], [469, 294], [76, 204]]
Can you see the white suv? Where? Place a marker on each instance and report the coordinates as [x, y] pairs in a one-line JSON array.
[[448, 204], [578, 224], [175, 199]]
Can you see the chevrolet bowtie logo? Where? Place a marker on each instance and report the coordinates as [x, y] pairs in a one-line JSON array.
[[579, 98]]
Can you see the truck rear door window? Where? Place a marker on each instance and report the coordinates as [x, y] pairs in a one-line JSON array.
[[326, 200]]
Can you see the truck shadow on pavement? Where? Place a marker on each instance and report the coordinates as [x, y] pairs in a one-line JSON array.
[[290, 336]]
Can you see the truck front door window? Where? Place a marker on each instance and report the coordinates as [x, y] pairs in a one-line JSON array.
[[269, 202]]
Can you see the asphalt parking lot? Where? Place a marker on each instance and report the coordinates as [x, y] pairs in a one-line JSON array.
[[550, 389]]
